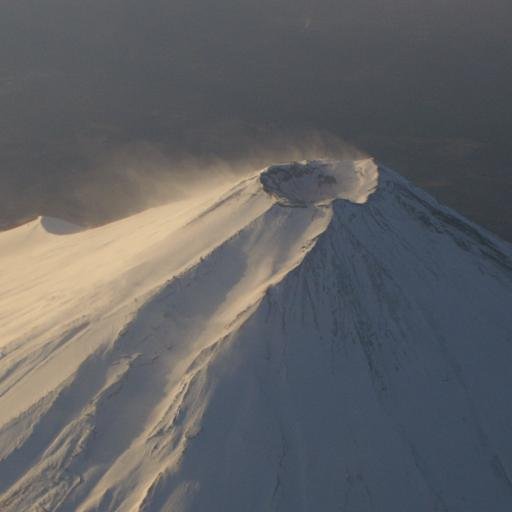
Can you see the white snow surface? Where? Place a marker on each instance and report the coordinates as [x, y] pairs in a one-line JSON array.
[[232, 353]]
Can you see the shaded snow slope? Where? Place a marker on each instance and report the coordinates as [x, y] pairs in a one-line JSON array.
[[233, 354], [57, 226]]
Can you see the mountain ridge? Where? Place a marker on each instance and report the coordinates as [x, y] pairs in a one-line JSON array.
[[282, 370]]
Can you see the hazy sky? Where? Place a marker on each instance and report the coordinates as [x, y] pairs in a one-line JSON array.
[[406, 80]]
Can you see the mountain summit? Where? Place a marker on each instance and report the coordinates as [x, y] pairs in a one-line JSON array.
[[319, 336], [320, 181]]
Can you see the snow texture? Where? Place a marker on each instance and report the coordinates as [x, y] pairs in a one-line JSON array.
[[321, 181], [231, 353]]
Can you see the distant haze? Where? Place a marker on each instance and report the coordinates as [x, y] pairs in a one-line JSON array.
[[99, 97]]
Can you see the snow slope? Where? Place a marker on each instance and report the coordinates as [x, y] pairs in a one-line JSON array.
[[320, 336]]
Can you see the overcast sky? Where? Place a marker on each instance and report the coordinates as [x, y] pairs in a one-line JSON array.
[[399, 78]]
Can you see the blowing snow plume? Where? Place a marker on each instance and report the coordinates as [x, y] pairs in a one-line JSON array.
[[319, 336], [113, 182]]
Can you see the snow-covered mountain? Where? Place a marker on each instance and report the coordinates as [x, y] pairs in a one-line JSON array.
[[322, 336]]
